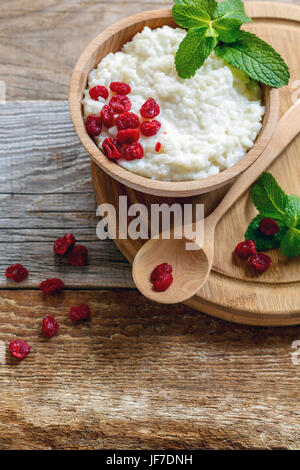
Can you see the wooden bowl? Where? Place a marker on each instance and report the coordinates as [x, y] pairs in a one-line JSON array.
[[112, 40]]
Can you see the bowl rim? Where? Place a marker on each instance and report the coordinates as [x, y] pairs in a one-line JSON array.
[[138, 182]]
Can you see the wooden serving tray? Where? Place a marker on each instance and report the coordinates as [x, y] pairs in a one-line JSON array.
[[232, 292]]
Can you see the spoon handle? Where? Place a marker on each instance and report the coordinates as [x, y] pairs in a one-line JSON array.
[[286, 130]]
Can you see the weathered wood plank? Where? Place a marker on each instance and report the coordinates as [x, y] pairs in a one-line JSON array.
[[41, 41], [39, 150], [106, 267], [140, 376], [46, 191]]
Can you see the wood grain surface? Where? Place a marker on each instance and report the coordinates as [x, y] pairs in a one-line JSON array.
[[139, 375]]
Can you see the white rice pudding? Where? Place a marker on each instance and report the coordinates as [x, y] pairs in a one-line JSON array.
[[208, 122]]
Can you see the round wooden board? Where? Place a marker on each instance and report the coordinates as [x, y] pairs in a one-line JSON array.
[[232, 292]]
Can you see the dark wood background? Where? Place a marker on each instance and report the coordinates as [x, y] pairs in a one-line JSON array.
[[139, 375]]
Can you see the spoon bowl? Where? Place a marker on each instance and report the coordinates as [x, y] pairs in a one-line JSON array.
[[190, 269]]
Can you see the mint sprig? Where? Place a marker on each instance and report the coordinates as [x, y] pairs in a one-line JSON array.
[[193, 51], [268, 197], [222, 22], [257, 58], [232, 9], [272, 202]]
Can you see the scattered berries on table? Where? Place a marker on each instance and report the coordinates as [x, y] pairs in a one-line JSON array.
[[268, 226], [80, 312], [133, 151], [98, 91], [50, 327], [63, 244], [112, 148], [150, 109], [150, 128], [78, 256], [107, 116], [19, 349], [93, 125], [16, 272], [128, 136], [52, 286], [260, 262], [161, 277], [127, 121], [120, 104], [120, 88], [245, 249]]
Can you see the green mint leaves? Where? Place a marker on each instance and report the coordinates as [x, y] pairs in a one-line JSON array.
[[193, 51], [268, 197], [191, 17], [263, 242], [222, 22], [257, 58], [272, 202], [232, 9]]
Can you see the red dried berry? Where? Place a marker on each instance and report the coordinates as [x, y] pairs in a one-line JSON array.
[[150, 109], [245, 249], [50, 327], [98, 91], [120, 87], [163, 282], [112, 148], [268, 226], [157, 147], [128, 136], [19, 349], [52, 286], [93, 125], [120, 104], [127, 121], [107, 116], [260, 262], [16, 272], [133, 151], [78, 256], [149, 128], [63, 244], [159, 270], [80, 312]]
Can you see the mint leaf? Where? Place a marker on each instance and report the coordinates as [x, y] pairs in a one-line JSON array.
[[293, 197], [290, 244], [232, 9], [292, 212], [227, 29], [192, 51], [268, 197], [257, 58], [190, 16], [206, 5], [263, 242]]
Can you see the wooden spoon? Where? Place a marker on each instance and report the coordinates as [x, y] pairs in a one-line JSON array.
[[191, 268]]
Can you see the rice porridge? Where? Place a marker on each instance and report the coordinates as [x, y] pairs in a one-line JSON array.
[[208, 122]]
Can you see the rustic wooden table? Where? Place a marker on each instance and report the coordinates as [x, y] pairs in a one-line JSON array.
[[139, 375]]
